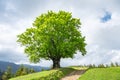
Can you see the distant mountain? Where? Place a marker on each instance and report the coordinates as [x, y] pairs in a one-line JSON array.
[[4, 65]]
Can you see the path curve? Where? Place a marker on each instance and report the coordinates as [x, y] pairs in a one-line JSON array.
[[74, 75]]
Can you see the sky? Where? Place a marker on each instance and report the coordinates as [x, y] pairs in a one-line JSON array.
[[100, 25]]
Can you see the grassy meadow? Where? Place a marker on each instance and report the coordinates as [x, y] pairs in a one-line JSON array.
[[112, 73], [55, 74], [109, 73]]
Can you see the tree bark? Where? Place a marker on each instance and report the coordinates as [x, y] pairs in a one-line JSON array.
[[56, 63]]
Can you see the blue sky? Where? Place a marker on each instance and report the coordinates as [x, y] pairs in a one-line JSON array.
[[100, 24], [106, 17]]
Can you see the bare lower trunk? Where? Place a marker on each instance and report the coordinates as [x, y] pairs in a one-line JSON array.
[[56, 63]]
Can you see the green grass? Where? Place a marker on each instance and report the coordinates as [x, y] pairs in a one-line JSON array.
[[112, 73], [46, 75]]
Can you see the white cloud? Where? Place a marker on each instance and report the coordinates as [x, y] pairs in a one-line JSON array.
[[10, 6], [102, 38]]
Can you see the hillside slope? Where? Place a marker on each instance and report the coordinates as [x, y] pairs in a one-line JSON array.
[[55, 74], [112, 73]]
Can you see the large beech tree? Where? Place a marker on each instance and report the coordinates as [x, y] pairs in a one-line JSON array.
[[54, 35]]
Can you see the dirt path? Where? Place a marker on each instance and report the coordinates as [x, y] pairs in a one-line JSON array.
[[74, 75]]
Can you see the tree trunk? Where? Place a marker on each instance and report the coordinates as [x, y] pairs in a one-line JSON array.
[[56, 63]]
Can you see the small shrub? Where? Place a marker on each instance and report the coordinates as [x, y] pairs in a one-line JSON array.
[[101, 66], [116, 64], [112, 64]]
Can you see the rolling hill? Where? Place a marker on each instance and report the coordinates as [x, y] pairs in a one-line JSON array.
[[55, 74], [111, 73]]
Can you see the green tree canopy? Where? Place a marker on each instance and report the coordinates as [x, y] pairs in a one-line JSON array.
[[52, 37]]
